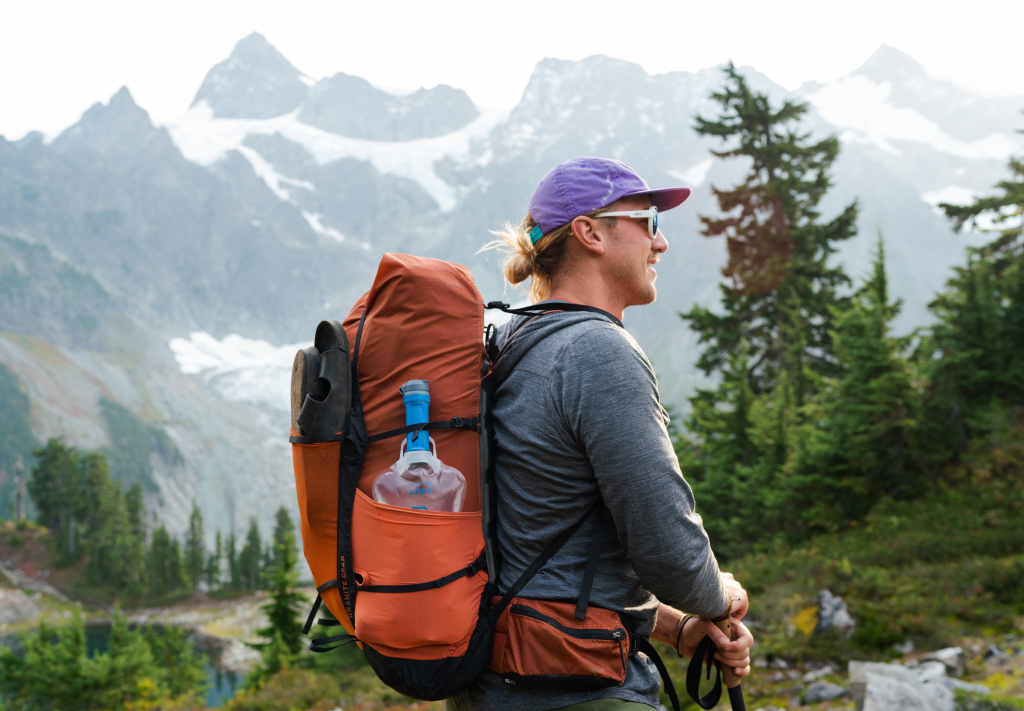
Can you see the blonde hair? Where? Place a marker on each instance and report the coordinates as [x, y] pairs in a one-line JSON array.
[[537, 262]]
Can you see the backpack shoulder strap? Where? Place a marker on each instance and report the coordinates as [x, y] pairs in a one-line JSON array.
[[539, 562], [547, 307]]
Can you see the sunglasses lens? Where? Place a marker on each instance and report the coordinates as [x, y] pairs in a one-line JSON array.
[[652, 224]]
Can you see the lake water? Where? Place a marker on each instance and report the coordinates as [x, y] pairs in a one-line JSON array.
[[221, 683]]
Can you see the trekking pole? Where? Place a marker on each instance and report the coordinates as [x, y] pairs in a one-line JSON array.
[[732, 682], [704, 657]]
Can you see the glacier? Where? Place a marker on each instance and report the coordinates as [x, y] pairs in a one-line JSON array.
[[205, 139]]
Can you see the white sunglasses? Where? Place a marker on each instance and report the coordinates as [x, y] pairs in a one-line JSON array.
[[651, 214]]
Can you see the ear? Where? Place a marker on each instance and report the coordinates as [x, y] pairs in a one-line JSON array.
[[590, 234]]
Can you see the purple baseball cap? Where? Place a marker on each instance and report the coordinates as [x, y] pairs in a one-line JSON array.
[[582, 185]]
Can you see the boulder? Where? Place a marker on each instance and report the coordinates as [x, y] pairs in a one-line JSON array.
[[884, 693], [876, 686], [832, 614], [815, 674], [994, 655], [957, 685], [953, 658], [930, 672], [819, 691]]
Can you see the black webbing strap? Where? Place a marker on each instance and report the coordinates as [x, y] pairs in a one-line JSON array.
[[353, 452], [591, 570], [319, 645], [312, 615], [647, 648], [316, 605], [470, 570], [459, 423], [537, 564], [704, 657]]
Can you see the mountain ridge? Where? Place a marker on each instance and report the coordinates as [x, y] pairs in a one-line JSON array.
[[283, 224]]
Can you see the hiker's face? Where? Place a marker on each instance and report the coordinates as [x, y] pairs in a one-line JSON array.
[[633, 255]]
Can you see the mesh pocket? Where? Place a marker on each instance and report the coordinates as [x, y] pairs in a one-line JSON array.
[[316, 487]]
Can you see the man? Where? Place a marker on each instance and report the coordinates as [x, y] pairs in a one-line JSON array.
[[579, 421]]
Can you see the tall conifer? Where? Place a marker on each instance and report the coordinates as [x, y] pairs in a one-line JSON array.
[[780, 289], [868, 441], [975, 355], [285, 603], [55, 487], [749, 448], [249, 559], [195, 548]]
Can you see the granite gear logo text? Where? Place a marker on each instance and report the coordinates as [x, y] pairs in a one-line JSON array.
[[420, 490]]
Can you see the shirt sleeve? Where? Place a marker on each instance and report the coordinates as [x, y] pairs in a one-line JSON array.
[[605, 393]]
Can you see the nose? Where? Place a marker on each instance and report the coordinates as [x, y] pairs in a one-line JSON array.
[[659, 244]]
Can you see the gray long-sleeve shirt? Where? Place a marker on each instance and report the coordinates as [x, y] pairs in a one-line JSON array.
[[578, 419]]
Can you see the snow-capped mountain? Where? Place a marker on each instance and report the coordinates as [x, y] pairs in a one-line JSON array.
[[175, 269], [931, 134]]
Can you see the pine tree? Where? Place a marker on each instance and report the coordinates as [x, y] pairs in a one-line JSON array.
[[135, 508], [55, 486], [181, 669], [973, 357], [779, 286], [234, 573], [95, 496], [105, 559], [165, 571], [132, 541], [249, 559], [212, 573], [195, 549], [775, 486], [177, 578], [285, 605], [710, 463], [749, 448], [868, 447], [127, 662], [275, 657]]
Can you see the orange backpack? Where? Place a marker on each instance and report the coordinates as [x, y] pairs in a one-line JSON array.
[[364, 555], [416, 590]]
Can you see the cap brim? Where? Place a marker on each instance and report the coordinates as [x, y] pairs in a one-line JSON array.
[[666, 198]]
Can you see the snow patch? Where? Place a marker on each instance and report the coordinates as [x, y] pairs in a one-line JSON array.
[[239, 369], [205, 139], [694, 175], [318, 227], [861, 107], [265, 171], [1007, 216], [952, 194]]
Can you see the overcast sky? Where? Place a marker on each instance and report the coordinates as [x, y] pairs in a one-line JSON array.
[[58, 57]]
